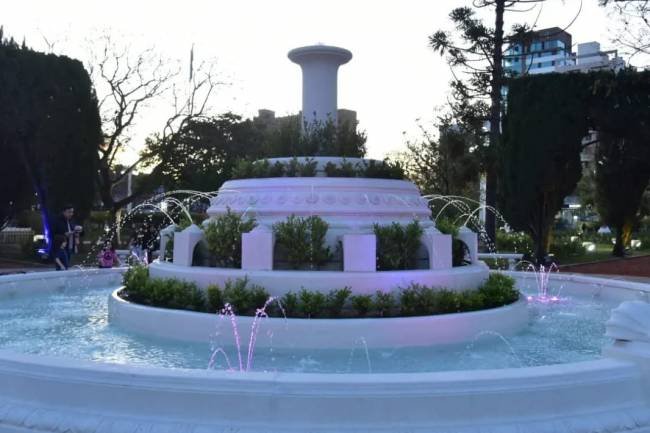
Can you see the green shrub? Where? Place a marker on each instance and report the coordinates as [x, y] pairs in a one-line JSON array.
[[385, 169], [214, 296], [236, 293], [397, 246], [361, 304], [414, 300], [223, 237], [289, 303], [243, 169], [515, 242], [446, 301], [135, 282], [303, 241], [498, 290], [384, 304], [447, 226], [564, 248], [311, 304], [344, 169], [276, 170], [336, 300]]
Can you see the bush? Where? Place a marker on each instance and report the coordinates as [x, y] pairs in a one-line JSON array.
[[385, 169], [447, 226], [414, 300], [361, 304], [311, 304], [345, 169], [384, 304], [289, 304], [564, 248], [223, 237], [336, 300], [397, 246], [163, 293], [303, 241], [514, 242], [498, 290], [214, 296]]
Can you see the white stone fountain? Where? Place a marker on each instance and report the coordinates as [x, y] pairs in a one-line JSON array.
[[349, 205]]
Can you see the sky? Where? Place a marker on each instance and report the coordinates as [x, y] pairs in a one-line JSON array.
[[394, 81]]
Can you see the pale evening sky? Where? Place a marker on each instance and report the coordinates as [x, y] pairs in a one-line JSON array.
[[393, 79]]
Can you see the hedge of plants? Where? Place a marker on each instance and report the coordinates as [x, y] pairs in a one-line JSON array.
[[246, 298], [302, 241], [223, 236], [385, 169], [397, 245]]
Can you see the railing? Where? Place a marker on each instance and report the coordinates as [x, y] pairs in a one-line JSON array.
[[16, 235]]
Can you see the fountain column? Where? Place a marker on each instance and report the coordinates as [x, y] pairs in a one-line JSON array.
[[319, 64]]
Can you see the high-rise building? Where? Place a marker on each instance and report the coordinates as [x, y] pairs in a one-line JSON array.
[[539, 52], [550, 50]]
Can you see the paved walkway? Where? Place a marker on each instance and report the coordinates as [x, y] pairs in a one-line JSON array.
[[628, 267], [11, 266]]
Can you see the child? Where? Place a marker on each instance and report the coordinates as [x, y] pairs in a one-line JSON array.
[[61, 258], [108, 257]]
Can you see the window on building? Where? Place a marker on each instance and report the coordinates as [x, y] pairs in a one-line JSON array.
[[539, 65]]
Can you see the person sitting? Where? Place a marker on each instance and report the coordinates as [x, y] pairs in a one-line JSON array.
[[61, 258], [107, 257]]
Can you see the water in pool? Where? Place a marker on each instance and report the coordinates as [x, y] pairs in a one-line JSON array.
[[74, 324]]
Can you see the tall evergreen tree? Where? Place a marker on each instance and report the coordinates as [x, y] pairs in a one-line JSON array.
[[49, 124]]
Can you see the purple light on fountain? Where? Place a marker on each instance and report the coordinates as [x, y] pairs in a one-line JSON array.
[[228, 313], [542, 276]]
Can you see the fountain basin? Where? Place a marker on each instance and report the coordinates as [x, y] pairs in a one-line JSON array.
[[52, 395], [40, 393], [391, 332], [277, 283]]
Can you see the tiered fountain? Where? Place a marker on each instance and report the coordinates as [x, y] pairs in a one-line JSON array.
[[350, 206], [64, 367]]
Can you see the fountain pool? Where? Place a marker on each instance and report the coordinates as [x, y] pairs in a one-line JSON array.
[[63, 365]]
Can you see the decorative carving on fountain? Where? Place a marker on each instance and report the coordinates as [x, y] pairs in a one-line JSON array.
[[630, 321]]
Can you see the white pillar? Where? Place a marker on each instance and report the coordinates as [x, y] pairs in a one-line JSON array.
[[359, 252], [165, 235], [439, 248], [257, 249], [319, 64], [471, 240], [184, 243]]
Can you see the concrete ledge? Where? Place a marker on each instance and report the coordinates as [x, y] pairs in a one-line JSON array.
[[46, 282], [392, 332], [49, 395], [280, 282]]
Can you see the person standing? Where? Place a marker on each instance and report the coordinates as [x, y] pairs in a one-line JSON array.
[[61, 258], [66, 226]]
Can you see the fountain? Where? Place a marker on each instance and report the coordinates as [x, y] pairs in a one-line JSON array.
[[75, 356]]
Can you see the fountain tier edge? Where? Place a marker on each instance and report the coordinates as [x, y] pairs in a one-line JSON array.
[[50, 394]]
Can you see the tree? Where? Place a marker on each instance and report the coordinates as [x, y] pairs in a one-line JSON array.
[[633, 33], [203, 153], [545, 123], [127, 82], [622, 115], [291, 138], [15, 192], [478, 54], [49, 124], [447, 165]]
